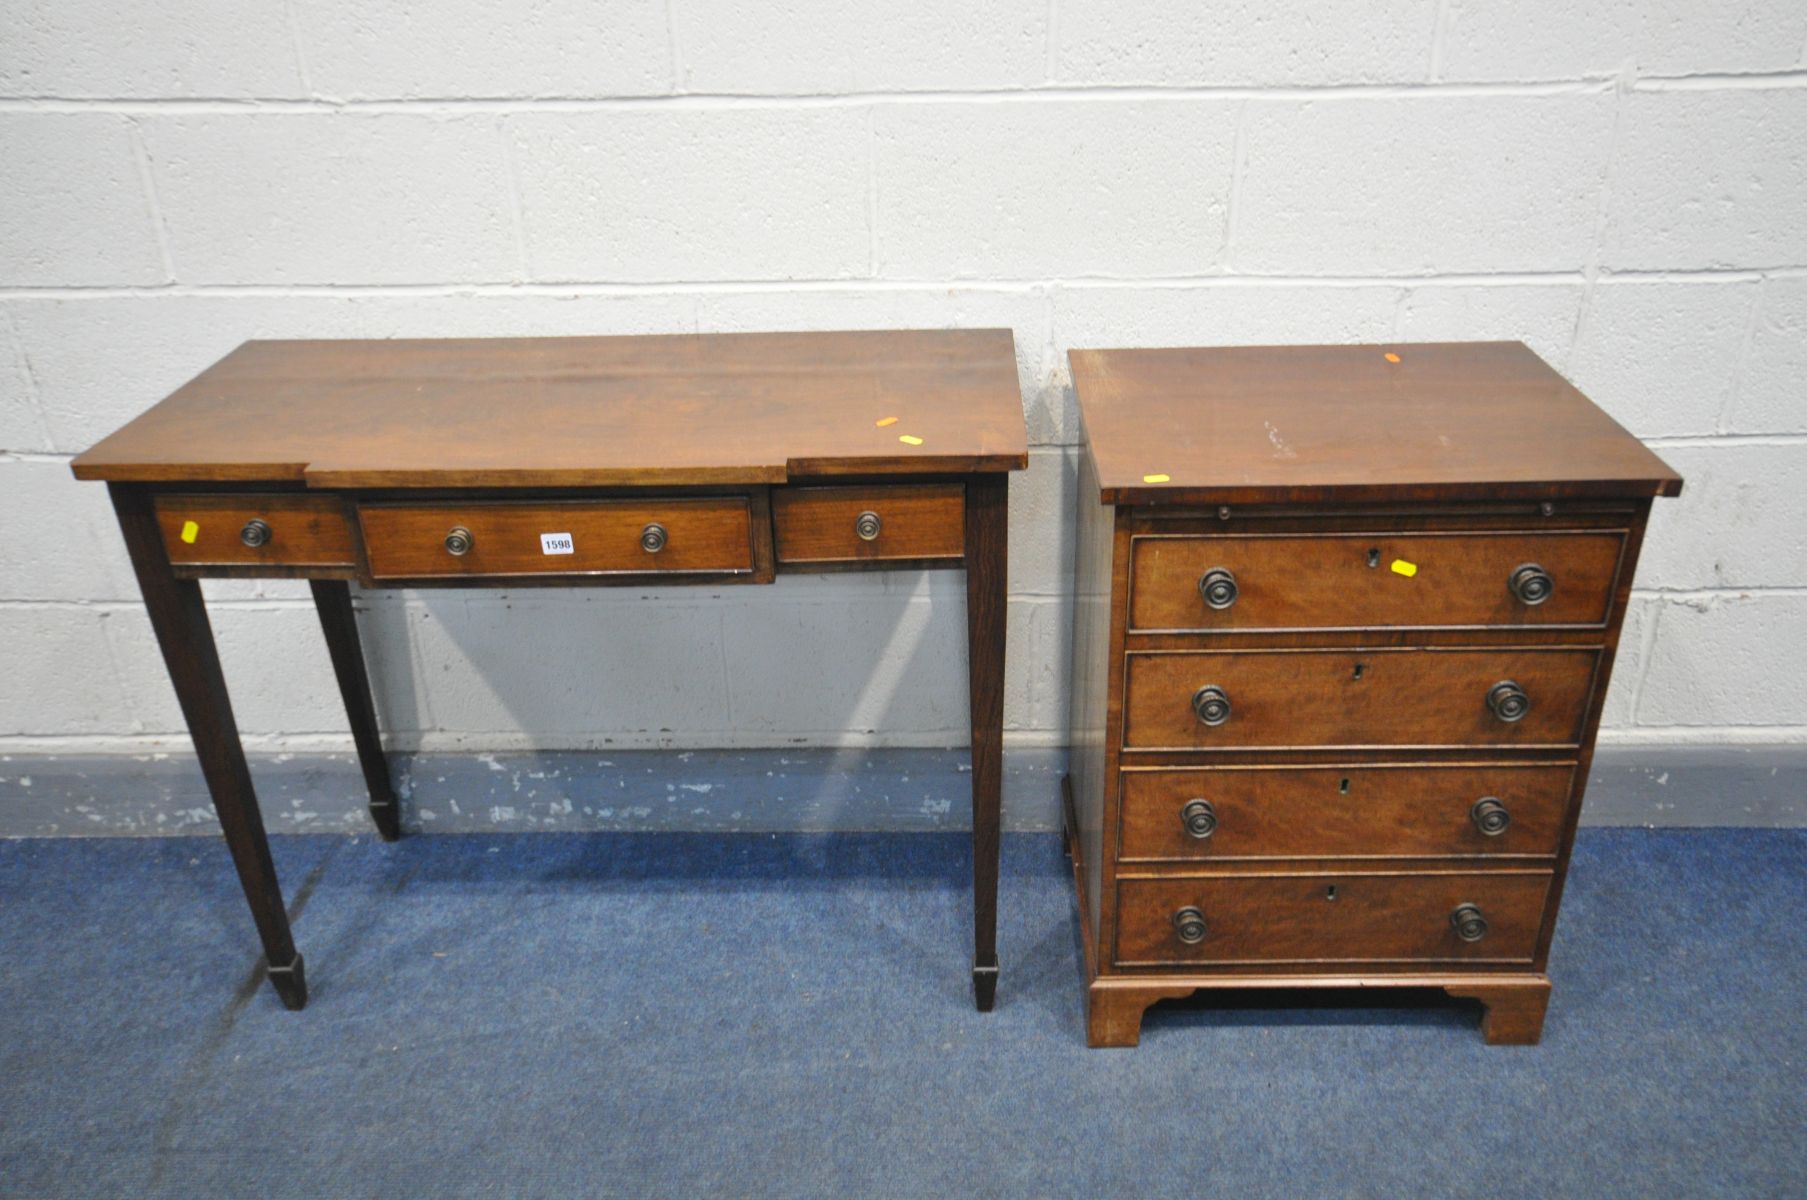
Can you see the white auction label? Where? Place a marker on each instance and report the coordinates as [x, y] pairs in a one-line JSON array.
[[556, 543]]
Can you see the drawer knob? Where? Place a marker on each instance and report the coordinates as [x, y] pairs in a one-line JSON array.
[[1490, 816], [459, 541], [1508, 701], [1468, 922], [1199, 818], [1531, 584], [652, 538], [1189, 925], [1218, 587], [1211, 704], [255, 533], [867, 526]]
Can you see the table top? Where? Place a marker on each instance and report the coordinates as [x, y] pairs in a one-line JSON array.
[[1278, 424], [668, 410]]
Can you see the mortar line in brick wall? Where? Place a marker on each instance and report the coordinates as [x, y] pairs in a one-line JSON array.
[[1120, 93], [672, 47], [1008, 285], [516, 207], [33, 404], [141, 158], [1702, 735], [1646, 642], [1752, 317], [741, 286], [1727, 439], [302, 71], [1709, 595], [1602, 218], [1226, 257], [1705, 82], [1439, 35], [872, 192]]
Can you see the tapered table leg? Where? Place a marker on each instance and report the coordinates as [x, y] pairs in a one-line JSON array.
[[986, 554], [332, 599], [179, 618]]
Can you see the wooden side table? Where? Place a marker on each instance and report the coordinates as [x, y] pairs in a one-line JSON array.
[[1344, 624], [704, 459]]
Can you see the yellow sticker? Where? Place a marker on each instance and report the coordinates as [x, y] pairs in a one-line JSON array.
[[1390, 357], [1402, 567], [909, 440], [190, 531], [884, 421], [1157, 478]]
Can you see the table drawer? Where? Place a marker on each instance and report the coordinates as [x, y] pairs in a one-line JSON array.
[[247, 529], [1356, 697], [712, 535], [1180, 814], [865, 524], [1327, 919], [1372, 580]]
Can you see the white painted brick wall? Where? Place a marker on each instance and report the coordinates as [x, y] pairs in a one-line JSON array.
[[1622, 185]]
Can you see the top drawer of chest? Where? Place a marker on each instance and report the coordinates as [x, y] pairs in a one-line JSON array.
[[1241, 582]]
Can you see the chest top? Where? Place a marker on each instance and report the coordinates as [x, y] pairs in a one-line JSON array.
[[1279, 424], [584, 412]]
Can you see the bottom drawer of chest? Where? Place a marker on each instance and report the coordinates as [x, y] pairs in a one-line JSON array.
[[1326, 920]]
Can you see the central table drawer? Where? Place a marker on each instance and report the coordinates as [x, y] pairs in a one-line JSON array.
[[708, 535], [1249, 699], [1323, 919], [1226, 582], [1199, 814]]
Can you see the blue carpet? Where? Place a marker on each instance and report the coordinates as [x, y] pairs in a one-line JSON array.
[[685, 1015]]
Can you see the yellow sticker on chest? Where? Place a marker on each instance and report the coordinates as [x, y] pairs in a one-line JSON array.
[[1402, 567], [190, 531]]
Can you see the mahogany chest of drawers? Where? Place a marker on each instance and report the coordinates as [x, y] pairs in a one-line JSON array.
[[1345, 622]]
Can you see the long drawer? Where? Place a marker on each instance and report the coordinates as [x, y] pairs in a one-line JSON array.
[[1229, 582], [1322, 920], [1253, 699], [712, 535], [1196, 814]]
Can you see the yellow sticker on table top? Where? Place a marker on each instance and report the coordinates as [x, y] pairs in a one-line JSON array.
[[909, 439], [884, 421], [1402, 567], [1157, 479], [1390, 357], [190, 531]]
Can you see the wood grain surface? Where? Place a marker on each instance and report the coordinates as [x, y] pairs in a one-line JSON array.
[[1258, 424], [677, 410]]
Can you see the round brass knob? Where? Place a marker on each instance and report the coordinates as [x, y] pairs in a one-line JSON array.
[[1189, 925], [1508, 701], [1490, 816], [1218, 587], [1531, 584], [255, 533], [1199, 818], [459, 541], [1211, 704], [1468, 922], [867, 526], [653, 538]]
